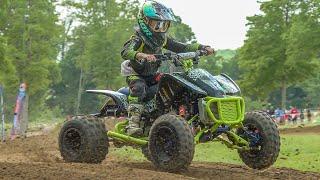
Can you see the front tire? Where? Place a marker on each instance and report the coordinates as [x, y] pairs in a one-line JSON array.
[[83, 140], [264, 152], [171, 144]]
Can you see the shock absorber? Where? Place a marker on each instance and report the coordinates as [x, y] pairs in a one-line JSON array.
[[182, 111]]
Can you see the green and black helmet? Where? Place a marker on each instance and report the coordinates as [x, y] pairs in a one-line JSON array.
[[154, 20]]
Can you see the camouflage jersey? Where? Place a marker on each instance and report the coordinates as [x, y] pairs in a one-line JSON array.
[[136, 44]]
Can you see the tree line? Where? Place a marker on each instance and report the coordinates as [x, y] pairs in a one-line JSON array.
[[60, 58], [279, 61]]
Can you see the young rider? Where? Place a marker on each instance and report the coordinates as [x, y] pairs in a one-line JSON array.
[[150, 38]]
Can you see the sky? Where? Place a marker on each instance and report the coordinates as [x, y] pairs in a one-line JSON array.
[[218, 23]]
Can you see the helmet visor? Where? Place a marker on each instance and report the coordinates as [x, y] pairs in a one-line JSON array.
[[159, 26]]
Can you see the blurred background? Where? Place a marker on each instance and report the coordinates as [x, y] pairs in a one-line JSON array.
[[62, 47]]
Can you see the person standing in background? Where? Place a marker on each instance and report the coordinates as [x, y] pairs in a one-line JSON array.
[[301, 115], [309, 115], [20, 119]]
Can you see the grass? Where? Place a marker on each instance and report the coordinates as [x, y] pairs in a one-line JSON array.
[[301, 152], [317, 121]]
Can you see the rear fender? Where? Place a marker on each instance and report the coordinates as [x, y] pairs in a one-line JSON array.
[[116, 108]]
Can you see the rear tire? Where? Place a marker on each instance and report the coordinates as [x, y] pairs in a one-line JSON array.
[[267, 150], [83, 140], [171, 143], [146, 153]]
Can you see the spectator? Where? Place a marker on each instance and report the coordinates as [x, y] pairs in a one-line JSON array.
[[271, 111], [279, 115], [294, 114], [309, 115], [318, 112], [301, 115]]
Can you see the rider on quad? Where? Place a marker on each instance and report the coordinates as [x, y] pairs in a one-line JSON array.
[[150, 38]]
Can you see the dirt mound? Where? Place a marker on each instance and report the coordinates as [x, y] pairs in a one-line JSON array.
[[302, 130], [38, 158]]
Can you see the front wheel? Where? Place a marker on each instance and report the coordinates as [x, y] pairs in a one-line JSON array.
[[263, 136], [171, 144]]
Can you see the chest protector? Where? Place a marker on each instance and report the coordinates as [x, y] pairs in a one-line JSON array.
[[142, 68]]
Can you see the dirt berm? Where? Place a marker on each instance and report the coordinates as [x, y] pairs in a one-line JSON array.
[[38, 157]]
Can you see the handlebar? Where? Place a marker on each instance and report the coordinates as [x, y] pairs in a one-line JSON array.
[[180, 56]]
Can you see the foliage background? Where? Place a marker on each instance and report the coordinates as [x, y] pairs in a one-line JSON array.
[[60, 58]]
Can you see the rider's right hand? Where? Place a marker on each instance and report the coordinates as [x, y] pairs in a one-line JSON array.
[[148, 57], [209, 50]]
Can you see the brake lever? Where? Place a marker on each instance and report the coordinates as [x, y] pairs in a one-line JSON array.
[[176, 61]]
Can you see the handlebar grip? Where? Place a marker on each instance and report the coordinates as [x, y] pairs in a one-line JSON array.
[[203, 53]]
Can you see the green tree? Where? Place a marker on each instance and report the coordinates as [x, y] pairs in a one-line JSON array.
[[8, 76], [94, 54], [32, 34], [181, 31], [311, 86], [225, 61], [271, 57]]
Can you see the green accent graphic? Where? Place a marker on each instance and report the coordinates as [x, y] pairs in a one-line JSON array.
[[144, 28], [133, 99], [230, 110], [126, 138], [132, 78], [120, 127], [131, 55], [187, 65], [119, 134], [148, 10]]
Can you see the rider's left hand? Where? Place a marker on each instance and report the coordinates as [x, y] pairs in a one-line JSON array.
[[209, 50]]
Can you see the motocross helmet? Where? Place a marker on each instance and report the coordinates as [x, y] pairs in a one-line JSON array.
[[154, 21]]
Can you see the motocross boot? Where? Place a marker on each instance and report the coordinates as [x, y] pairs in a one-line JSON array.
[[133, 128]]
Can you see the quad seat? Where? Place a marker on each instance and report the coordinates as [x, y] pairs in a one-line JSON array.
[[124, 90]]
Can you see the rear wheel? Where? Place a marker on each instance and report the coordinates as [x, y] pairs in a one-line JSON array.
[[262, 134], [83, 140], [146, 153], [171, 144]]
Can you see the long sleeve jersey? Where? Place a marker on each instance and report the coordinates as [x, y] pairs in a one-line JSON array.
[[135, 45]]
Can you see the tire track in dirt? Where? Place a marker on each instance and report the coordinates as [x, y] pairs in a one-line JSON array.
[[38, 158]]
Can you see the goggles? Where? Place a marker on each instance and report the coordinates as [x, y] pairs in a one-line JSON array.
[[158, 26]]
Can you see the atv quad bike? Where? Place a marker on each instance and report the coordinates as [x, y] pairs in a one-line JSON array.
[[188, 108]]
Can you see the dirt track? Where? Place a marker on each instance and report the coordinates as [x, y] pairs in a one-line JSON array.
[[38, 158], [302, 130]]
